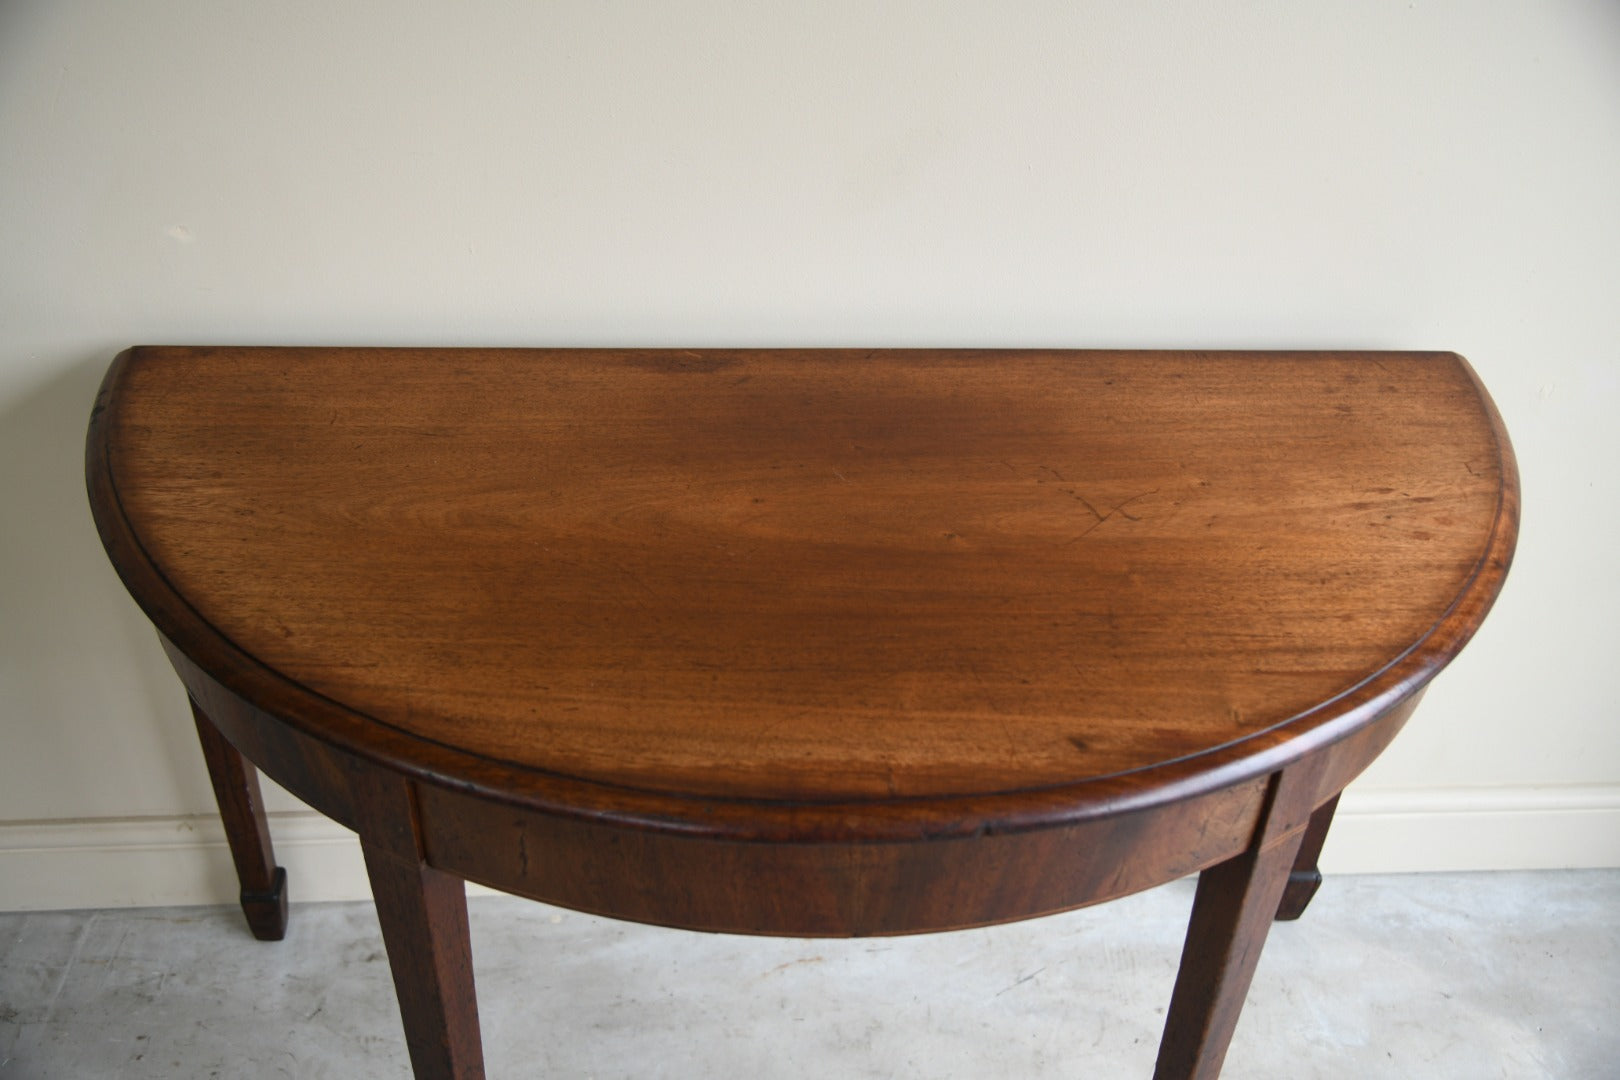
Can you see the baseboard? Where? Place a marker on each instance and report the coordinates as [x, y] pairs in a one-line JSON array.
[[1393, 831], [166, 861], [170, 861]]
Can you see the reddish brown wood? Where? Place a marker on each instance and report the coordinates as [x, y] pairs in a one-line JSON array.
[[241, 808], [836, 890], [423, 914], [316, 772], [1305, 877], [810, 642], [921, 563], [1232, 911]]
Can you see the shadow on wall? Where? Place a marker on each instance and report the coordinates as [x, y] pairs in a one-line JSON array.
[[95, 723]]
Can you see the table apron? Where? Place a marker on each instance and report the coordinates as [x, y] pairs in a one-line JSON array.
[[795, 889]]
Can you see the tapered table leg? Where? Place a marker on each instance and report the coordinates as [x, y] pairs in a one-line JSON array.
[[1305, 878], [1232, 912], [241, 809], [423, 913]]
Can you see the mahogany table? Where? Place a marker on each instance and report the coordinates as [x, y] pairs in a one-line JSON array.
[[802, 642]]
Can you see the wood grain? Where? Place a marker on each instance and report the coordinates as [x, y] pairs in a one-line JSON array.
[[1232, 913], [423, 915], [822, 577], [236, 792]]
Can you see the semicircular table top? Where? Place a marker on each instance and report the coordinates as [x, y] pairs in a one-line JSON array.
[[811, 577]]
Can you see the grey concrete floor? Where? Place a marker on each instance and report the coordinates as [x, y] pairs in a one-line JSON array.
[[1440, 975]]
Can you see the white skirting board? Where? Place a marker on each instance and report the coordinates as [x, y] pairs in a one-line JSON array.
[[164, 861]]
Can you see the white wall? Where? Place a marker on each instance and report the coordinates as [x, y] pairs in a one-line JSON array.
[[1402, 175]]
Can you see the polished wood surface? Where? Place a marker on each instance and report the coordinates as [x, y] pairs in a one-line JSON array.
[[809, 642], [423, 915], [1232, 911], [819, 577], [1305, 878], [241, 807]]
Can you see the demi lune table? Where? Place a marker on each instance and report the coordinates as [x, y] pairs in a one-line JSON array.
[[814, 642]]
